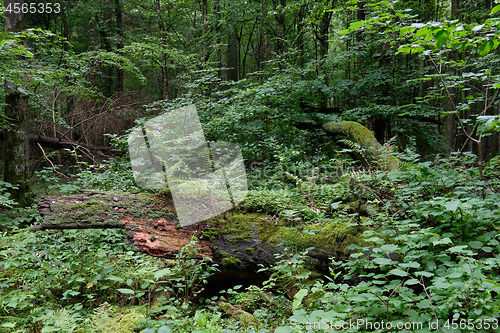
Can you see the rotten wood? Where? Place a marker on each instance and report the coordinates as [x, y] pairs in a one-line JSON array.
[[238, 240]]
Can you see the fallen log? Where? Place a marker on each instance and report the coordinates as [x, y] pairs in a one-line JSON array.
[[76, 225], [365, 139], [58, 143], [239, 240]]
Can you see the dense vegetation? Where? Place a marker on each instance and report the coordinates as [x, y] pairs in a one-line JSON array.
[[267, 75]]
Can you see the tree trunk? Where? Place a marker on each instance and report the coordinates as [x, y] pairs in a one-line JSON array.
[[232, 56], [450, 119], [16, 144], [107, 70], [163, 42], [119, 44], [323, 41], [279, 9]]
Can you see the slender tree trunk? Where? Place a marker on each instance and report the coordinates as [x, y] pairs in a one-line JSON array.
[[120, 43], [280, 20], [16, 143], [322, 37], [232, 56], [163, 42], [204, 25], [450, 124], [107, 70]]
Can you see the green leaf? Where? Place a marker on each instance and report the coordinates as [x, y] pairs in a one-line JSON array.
[[165, 329], [485, 48], [424, 273], [115, 278], [411, 282], [398, 272], [495, 10], [475, 244], [356, 25], [162, 272], [445, 240], [458, 249], [488, 123], [453, 205], [389, 247], [424, 304], [126, 291], [441, 38], [382, 261], [406, 30], [412, 264], [299, 296], [422, 32]]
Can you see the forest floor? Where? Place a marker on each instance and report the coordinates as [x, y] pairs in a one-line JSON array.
[[418, 244]]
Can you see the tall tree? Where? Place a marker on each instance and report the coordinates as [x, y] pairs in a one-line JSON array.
[[16, 143], [120, 43], [163, 45]]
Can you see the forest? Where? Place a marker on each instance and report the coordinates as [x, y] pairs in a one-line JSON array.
[[357, 143]]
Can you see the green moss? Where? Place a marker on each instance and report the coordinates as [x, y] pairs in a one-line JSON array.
[[240, 226], [250, 250], [91, 206], [246, 319], [354, 130], [109, 204], [365, 138], [92, 211], [226, 307], [231, 263], [112, 319], [211, 234], [337, 236]]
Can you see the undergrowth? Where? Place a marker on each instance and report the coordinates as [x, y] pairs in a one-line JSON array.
[[428, 258]]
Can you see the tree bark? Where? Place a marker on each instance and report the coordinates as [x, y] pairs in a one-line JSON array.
[[16, 145]]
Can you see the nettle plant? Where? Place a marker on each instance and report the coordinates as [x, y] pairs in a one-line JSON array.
[[430, 252]]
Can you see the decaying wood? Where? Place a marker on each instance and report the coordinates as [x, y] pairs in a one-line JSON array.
[[76, 225], [237, 240]]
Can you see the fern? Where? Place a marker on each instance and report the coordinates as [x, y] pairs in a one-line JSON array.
[[357, 149]]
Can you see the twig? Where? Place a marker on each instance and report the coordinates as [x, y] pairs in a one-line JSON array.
[[52, 164], [430, 302]]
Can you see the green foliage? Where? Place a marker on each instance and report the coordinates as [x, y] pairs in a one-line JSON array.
[[5, 200], [432, 253]]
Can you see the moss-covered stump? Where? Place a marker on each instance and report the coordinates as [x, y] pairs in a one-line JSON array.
[[365, 138], [236, 240]]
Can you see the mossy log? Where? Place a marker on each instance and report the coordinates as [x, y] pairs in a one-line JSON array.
[[366, 139], [237, 240]]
